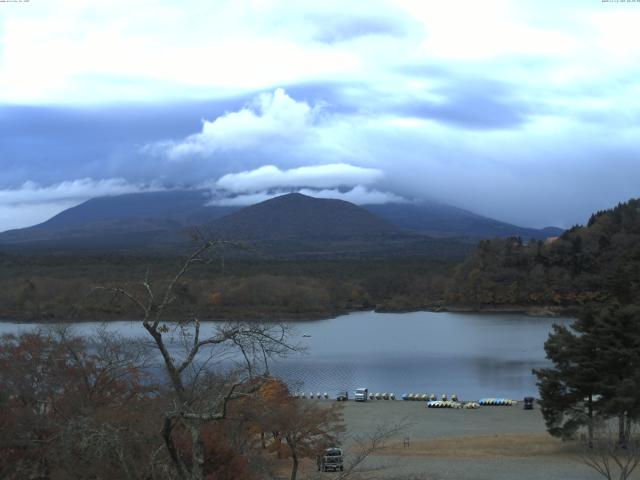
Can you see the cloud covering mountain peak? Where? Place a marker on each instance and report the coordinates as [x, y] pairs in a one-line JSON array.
[[314, 176]]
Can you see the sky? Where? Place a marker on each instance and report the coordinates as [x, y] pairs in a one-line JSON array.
[[526, 111]]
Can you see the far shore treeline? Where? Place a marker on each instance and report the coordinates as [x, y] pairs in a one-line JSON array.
[[596, 263]]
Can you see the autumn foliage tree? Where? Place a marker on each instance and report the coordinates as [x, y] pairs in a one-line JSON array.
[[72, 407], [296, 428]]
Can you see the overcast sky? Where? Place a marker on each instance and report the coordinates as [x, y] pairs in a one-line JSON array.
[[525, 111]]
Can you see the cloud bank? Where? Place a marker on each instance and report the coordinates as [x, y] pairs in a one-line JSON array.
[[523, 111], [342, 181], [316, 176], [271, 117], [31, 203]]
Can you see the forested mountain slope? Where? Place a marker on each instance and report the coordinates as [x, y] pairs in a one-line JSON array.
[[598, 262], [299, 216], [441, 220]]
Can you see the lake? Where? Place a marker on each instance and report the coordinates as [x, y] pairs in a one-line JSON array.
[[471, 354]]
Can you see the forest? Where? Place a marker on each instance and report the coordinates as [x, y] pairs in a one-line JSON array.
[[598, 262], [54, 288]]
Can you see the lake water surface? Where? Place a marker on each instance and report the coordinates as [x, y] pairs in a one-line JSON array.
[[473, 355]]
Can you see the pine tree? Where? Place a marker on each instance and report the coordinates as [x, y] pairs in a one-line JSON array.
[[569, 391], [618, 332], [596, 373]]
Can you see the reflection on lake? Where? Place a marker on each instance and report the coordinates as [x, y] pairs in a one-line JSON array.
[[473, 355]]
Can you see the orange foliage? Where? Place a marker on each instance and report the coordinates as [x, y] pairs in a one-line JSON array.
[[275, 391], [215, 298], [222, 462]]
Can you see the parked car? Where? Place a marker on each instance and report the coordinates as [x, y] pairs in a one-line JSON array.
[[342, 396], [361, 395], [331, 460], [528, 403]]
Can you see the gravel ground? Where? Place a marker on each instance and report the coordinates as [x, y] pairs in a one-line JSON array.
[[491, 443]]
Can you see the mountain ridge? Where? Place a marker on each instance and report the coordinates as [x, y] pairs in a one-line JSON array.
[[295, 215], [167, 218], [442, 220]]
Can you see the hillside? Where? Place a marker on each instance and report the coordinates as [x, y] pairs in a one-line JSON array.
[[302, 217], [597, 262], [440, 220], [130, 220]]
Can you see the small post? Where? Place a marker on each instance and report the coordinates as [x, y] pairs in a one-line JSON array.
[[406, 443]]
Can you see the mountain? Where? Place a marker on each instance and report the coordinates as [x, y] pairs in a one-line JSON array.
[[440, 220], [301, 217], [134, 219], [164, 220], [178, 207]]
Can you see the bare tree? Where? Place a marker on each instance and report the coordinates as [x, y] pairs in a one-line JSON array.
[[611, 459], [198, 396], [365, 445], [307, 429]]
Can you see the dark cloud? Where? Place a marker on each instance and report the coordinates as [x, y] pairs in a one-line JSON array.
[[467, 102], [470, 106], [483, 148], [53, 144], [337, 28], [337, 96]]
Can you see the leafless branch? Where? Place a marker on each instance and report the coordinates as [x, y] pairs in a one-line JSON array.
[[203, 401], [369, 444], [609, 458]]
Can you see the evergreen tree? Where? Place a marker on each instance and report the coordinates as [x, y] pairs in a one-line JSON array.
[[569, 391], [617, 330], [596, 372]]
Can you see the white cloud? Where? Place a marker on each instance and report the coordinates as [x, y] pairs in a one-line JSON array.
[[338, 180], [516, 173], [20, 215], [245, 199], [272, 128], [32, 203], [317, 176], [471, 30], [358, 195], [80, 189], [104, 51], [157, 49], [272, 117]]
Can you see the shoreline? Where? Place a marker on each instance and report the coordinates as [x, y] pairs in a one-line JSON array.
[[541, 311], [532, 311]]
